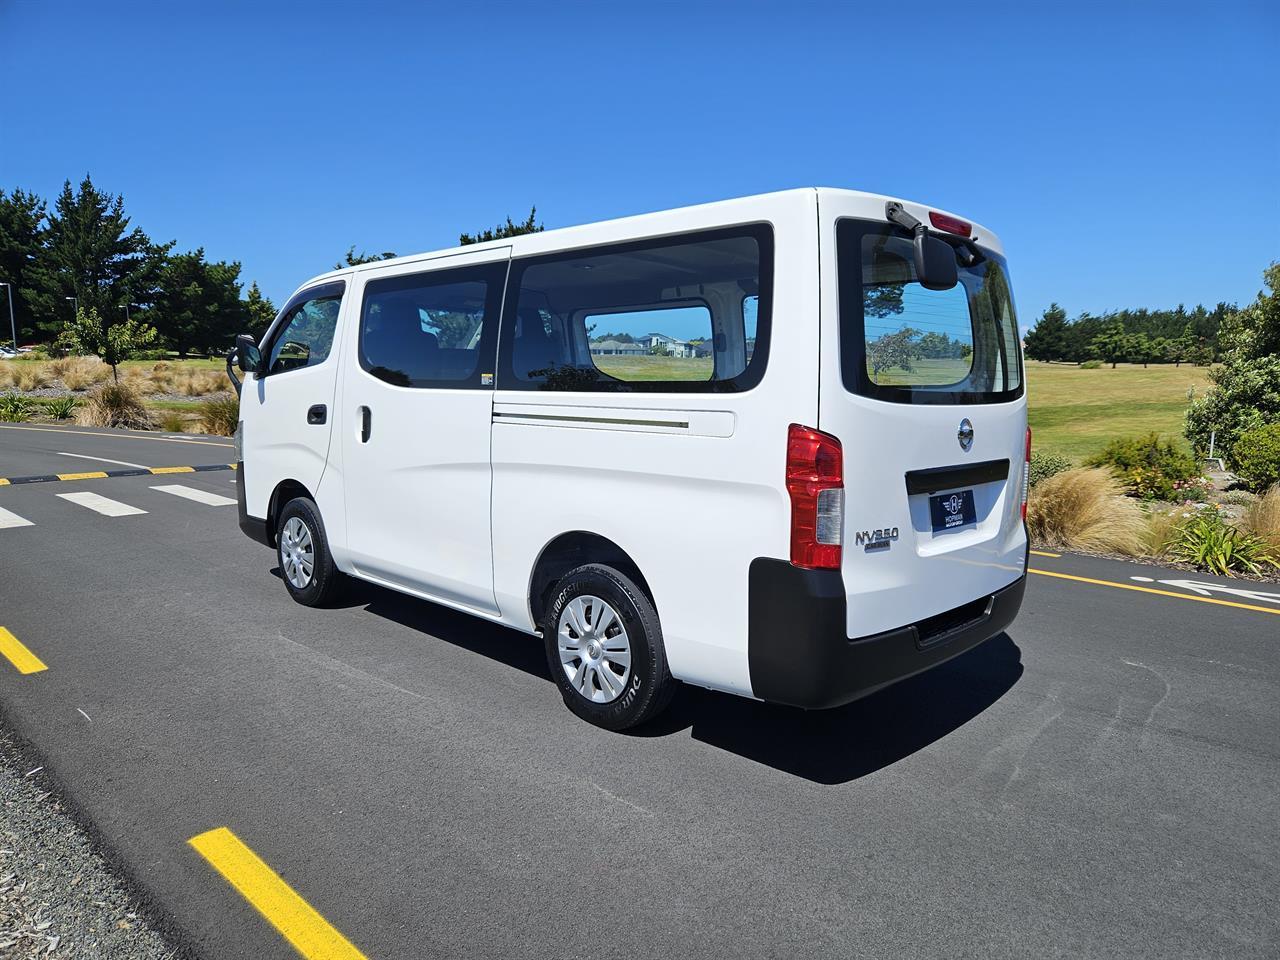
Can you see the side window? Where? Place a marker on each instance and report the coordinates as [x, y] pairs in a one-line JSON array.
[[306, 335], [688, 313], [672, 343], [432, 329]]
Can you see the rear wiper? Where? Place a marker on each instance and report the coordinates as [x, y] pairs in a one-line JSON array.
[[968, 251]]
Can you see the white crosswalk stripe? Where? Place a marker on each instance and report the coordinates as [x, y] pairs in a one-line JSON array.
[[8, 519], [191, 493], [102, 505]]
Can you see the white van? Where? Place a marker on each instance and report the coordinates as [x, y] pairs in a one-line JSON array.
[[773, 446]]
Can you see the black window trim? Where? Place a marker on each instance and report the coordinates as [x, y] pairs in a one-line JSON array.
[[485, 349], [321, 291], [759, 230], [853, 347]]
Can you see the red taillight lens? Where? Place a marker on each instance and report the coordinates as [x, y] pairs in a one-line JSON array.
[[815, 481], [950, 224], [1026, 476]]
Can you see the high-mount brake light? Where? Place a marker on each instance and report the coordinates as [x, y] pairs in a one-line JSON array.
[[815, 481], [1026, 476], [950, 224]]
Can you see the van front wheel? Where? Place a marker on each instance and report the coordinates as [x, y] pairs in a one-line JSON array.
[[604, 648], [302, 548]]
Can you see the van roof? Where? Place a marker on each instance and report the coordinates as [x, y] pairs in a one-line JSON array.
[[567, 235]]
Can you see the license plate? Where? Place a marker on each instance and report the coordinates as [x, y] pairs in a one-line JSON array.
[[950, 511]]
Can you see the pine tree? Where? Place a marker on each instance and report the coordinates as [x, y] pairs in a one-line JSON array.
[[504, 230], [261, 311], [1049, 338], [22, 233], [91, 254]]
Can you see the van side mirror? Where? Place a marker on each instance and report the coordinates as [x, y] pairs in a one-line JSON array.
[[248, 356], [935, 262]]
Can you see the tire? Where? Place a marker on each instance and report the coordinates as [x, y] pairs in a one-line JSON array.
[[626, 694], [322, 583]]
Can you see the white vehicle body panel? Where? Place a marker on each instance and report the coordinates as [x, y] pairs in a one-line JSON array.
[[921, 574], [457, 493]]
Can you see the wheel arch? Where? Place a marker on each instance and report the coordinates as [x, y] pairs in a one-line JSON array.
[[573, 549], [285, 491]]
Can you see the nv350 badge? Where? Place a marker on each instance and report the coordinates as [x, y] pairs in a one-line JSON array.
[[876, 539]]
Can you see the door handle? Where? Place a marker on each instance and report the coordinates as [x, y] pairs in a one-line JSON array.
[[317, 414], [366, 424]]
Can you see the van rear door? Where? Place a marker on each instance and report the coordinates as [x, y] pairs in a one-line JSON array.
[[924, 389]]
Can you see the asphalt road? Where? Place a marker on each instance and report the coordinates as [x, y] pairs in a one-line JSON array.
[[1100, 782]]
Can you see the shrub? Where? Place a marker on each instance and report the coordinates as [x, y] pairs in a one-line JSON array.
[[1091, 365], [220, 415], [115, 405], [61, 408], [14, 407], [1149, 467], [1246, 387], [1208, 541], [29, 376], [1256, 456], [1046, 465], [1162, 525], [172, 422], [1262, 519], [80, 373], [1085, 509], [1237, 498]]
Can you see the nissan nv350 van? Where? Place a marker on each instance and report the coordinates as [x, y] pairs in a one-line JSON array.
[[774, 446]]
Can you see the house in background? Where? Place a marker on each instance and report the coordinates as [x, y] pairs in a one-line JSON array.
[[616, 348], [673, 347]]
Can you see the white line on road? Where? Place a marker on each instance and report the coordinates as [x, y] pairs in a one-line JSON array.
[[191, 493], [8, 519], [1207, 589], [102, 505], [123, 463]]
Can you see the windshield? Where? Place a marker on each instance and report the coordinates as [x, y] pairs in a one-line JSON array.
[[905, 343]]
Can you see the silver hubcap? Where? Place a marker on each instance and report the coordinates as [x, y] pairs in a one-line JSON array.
[[594, 649], [297, 555]]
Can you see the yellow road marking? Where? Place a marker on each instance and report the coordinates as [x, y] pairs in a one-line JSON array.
[[1159, 593], [91, 475], [159, 470], [17, 653], [1044, 553], [298, 922], [120, 436]]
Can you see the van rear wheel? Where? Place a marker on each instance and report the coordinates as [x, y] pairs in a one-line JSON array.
[[604, 648], [302, 548]]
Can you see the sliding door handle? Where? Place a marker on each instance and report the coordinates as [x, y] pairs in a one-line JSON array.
[[366, 424], [317, 414]]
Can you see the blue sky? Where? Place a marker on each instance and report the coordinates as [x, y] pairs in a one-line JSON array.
[[1127, 153]]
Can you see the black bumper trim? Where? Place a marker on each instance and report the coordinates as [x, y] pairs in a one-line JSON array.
[[799, 654], [251, 527], [963, 475]]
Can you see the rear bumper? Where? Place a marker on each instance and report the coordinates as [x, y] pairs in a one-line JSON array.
[[799, 654], [251, 527]]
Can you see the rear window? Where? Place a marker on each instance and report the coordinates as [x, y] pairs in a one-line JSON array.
[[904, 343], [682, 314]]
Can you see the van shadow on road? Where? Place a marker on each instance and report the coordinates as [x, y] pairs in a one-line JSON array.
[[824, 746]]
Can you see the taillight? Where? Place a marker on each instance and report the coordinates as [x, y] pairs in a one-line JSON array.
[[1026, 476], [815, 481], [950, 224]]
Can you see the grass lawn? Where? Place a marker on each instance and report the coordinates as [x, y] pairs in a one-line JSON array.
[[1075, 412], [655, 368]]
